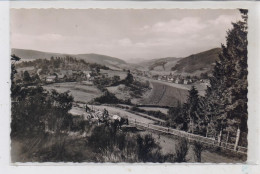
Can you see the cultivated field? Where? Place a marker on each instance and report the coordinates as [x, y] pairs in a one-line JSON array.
[[163, 94]]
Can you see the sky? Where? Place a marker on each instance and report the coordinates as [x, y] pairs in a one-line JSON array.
[[127, 34]]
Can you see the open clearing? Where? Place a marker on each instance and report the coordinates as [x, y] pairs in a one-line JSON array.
[[79, 91]]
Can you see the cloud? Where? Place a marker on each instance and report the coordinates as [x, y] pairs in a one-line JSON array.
[[182, 26], [124, 34], [224, 20]]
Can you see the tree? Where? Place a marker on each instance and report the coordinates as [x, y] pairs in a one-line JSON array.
[[226, 97], [192, 106], [98, 70], [129, 78], [115, 79], [26, 77], [14, 87]]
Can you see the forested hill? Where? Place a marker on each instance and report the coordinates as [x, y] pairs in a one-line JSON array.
[[201, 62], [192, 65], [160, 64], [90, 58]]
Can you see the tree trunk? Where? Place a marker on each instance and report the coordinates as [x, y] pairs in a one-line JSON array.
[[227, 139], [207, 130], [192, 129], [46, 126], [219, 137], [237, 138]]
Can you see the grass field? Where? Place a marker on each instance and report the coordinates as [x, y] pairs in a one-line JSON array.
[[168, 145], [120, 91], [80, 92]]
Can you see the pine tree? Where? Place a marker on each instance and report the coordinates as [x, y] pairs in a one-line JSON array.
[[226, 98], [192, 106]]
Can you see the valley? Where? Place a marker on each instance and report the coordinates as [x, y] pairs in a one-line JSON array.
[[143, 94]]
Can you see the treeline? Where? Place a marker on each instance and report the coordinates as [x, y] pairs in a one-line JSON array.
[[223, 110], [61, 62]]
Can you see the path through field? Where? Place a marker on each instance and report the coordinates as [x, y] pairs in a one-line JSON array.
[[113, 111]]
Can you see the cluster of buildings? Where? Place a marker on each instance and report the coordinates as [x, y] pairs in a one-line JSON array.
[[174, 79], [67, 75], [56, 75]]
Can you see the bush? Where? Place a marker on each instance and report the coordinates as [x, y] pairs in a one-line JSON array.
[[181, 151], [157, 114], [114, 146], [110, 98], [198, 148]]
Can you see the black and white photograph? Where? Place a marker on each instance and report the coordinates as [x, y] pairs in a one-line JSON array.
[[129, 85]]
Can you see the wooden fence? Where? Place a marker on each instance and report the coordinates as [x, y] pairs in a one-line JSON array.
[[189, 136]]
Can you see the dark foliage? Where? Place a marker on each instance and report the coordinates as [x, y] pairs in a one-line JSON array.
[[181, 151], [110, 98], [157, 114], [198, 148]]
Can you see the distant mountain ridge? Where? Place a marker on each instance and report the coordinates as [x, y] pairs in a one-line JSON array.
[[90, 58], [194, 64]]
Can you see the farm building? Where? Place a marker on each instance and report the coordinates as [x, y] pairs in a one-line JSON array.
[[87, 74], [51, 79], [170, 79]]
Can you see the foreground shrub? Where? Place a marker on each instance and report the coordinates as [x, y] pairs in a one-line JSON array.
[[198, 148], [114, 146], [181, 151]]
